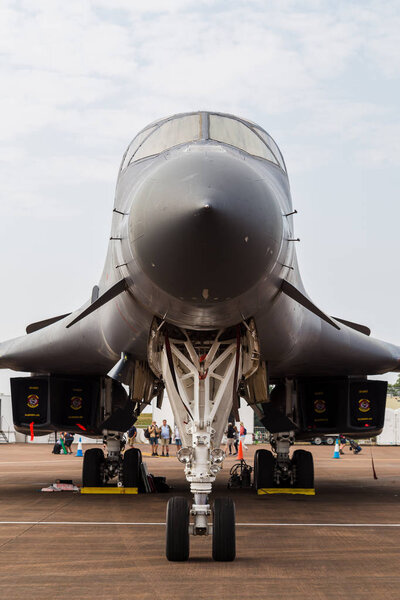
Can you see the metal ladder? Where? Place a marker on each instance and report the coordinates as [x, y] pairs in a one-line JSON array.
[[3, 437]]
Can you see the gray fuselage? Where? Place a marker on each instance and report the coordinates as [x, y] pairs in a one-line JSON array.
[[202, 236]]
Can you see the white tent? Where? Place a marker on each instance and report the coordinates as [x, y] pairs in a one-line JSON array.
[[390, 435]]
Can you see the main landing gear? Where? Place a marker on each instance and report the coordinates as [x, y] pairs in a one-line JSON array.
[[98, 468], [278, 470]]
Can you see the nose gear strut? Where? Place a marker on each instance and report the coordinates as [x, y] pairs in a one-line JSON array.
[[201, 371]]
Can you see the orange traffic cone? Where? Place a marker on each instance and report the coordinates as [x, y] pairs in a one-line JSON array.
[[240, 453]]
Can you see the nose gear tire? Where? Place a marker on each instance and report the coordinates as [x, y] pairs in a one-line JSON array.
[[224, 537], [177, 540]]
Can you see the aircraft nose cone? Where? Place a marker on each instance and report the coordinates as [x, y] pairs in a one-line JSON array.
[[205, 229]]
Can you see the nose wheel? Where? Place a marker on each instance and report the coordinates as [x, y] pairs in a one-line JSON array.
[[178, 530], [177, 540], [224, 534]]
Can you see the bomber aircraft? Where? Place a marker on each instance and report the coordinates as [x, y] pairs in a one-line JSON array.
[[201, 295]]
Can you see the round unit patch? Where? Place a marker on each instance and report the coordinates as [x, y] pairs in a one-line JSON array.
[[364, 405], [319, 405], [33, 401], [76, 402]]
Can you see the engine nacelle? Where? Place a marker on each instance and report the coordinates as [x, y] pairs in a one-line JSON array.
[[343, 405], [85, 405], [312, 406]]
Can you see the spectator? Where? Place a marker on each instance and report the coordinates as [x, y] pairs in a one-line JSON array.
[[242, 435], [178, 441], [68, 439], [57, 447], [230, 438], [342, 440], [165, 436], [236, 442], [132, 433], [154, 435]]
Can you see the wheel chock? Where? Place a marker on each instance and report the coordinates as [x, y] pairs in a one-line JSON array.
[[304, 491], [109, 490]]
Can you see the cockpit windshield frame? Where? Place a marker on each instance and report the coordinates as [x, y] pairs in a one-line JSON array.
[[250, 138]]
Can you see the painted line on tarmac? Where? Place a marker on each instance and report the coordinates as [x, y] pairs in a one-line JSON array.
[[30, 462], [319, 524], [133, 524]]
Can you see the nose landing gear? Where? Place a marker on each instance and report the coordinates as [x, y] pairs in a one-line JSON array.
[[201, 371]]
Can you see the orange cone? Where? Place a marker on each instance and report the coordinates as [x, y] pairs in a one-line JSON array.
[[240, 453]]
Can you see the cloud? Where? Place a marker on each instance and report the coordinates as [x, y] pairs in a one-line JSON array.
[[74, 63], [81, 78]]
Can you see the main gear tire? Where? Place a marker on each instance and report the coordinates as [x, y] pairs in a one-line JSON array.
[[131, 468], [224, 534], [264, 469], [177, 539], [304, 465], [93, 460]]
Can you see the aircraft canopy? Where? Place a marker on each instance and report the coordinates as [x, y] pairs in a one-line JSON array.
[[192, 127]]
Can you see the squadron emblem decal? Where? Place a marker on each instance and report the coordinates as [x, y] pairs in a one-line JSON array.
[[319, 406], [364, 405], [33, 401], [76, 402]]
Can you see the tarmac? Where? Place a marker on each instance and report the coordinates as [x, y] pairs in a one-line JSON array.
[[344, 542]]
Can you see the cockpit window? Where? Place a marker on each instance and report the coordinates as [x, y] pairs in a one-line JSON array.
[[233, 132], [168, 134], [181, 129], [139, 139], [272, 145]]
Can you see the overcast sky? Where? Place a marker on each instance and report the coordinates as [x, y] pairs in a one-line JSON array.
[[79, 79]]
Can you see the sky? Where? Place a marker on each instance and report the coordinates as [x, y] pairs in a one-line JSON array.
[[80, 78]]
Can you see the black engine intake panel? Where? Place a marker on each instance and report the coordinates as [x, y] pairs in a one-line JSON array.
[[30, 404], [74, 402], [68, 403], [341, 406], [367, 403]]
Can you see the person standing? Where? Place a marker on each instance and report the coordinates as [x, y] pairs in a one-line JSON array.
[[236, 442], [154, 432], [132, 433], [165, 436], [178, 441], [230, 438], [242, 435]]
